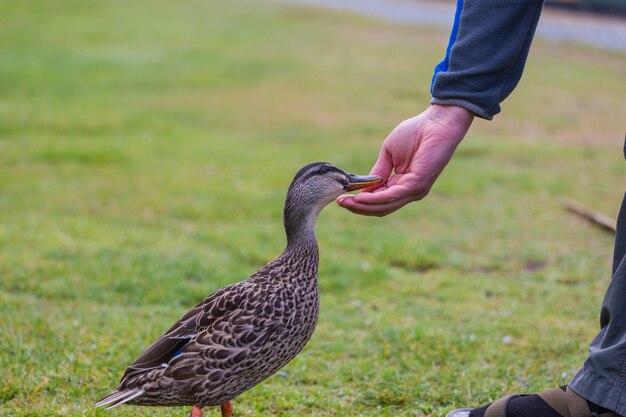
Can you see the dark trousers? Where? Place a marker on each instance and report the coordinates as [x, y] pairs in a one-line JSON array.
[[602, 378]]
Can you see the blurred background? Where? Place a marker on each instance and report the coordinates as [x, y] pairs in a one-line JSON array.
[[601, 6], [146, 148]]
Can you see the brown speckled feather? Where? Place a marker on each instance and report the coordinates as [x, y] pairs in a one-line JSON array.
[[234, 339]]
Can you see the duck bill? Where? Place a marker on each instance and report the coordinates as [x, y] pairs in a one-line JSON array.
[[356, 182]]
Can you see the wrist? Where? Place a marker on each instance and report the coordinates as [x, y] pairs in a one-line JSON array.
[[450, 114]]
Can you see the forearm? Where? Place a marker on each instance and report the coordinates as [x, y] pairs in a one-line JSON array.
[[485, 59]]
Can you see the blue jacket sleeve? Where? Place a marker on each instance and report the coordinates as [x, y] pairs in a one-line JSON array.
[[486, 54]]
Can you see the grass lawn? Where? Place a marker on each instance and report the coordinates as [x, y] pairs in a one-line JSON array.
[[145, 150]]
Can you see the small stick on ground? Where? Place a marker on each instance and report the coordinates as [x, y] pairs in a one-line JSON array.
[[605, 222]]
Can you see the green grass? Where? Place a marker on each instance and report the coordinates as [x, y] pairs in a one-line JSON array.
[[146, 147]]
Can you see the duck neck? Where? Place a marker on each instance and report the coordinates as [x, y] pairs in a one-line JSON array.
[[300, 225]]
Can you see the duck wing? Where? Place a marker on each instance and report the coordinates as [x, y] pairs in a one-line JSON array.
[[223, 302], [232, 352]]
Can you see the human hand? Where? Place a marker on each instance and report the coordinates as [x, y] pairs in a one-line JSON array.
[[417, 150]]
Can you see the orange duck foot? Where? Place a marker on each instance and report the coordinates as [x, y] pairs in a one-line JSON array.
[[227, 409], [195, 411]]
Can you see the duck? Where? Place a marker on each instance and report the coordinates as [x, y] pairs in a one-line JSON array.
[[245, 332]]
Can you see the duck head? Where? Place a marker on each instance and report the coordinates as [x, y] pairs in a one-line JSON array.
[[313, 188]]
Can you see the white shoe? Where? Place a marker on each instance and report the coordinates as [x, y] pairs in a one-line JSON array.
[[461, 412]]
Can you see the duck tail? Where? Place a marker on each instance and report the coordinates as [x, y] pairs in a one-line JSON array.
[[115, 398]]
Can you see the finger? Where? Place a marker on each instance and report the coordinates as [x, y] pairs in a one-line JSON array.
[[408, 186], [364, 213], [350, 203], [378, 210], [390, 196], [382, 195], [340, 200]]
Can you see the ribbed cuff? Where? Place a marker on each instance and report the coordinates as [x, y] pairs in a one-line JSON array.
[[462, 103]]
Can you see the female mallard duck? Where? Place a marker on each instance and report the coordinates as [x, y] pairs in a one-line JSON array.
[[244, 332]]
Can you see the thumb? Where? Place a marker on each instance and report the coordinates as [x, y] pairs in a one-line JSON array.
[[382, 168], [383, 165]]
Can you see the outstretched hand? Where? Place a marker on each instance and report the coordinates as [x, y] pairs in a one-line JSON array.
[[411, 159]]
